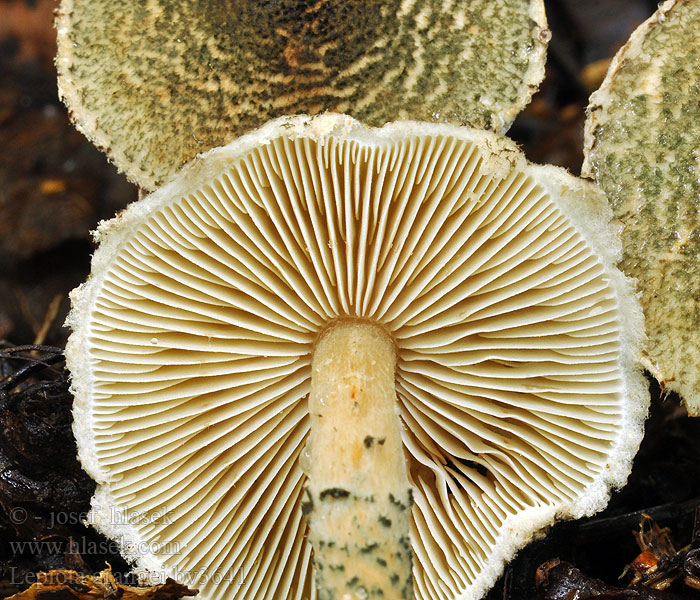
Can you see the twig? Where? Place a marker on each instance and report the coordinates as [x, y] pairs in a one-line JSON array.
[[49, 318], [55, 355]]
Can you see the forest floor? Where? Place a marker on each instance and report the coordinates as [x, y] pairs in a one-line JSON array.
[[54, 189]]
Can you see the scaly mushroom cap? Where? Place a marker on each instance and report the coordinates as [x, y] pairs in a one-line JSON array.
[[643, 148], [192, 344], [154, 84]]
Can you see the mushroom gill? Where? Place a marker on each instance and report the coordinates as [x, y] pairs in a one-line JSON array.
[[493, 281]]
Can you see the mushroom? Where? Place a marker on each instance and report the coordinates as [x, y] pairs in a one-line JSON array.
[[404, 345], [156, 83], [643, 148]]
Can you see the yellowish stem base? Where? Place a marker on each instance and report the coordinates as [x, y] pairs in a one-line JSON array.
[[358, 497]]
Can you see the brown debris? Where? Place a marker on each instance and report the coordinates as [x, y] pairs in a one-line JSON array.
[[550, 130], [40, 477], [25, 22], [55, 185], [69, 585], [557, 580], [691, 563], [49, 318], [651, 573], [659, 563], [38, 468], [592, 74], [691, 568]]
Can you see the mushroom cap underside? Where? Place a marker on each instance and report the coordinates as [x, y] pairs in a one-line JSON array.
[[154, 84], [516, 344], [643, 149]]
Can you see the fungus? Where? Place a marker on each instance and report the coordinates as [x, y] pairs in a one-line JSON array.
[[156, 83], [643, 148], [426, 327]]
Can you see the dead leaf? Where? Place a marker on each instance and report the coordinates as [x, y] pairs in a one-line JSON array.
[[66, 585]]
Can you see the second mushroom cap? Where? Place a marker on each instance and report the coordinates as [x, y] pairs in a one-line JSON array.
[[156, 83]]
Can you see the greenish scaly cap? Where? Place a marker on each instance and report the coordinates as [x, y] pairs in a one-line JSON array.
[[643, 149], [154, 83]]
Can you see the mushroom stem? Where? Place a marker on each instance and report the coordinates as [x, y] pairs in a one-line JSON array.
[[358, 495]]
